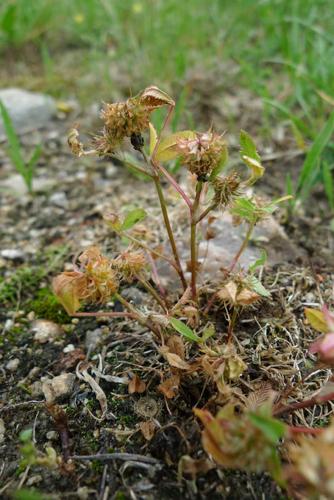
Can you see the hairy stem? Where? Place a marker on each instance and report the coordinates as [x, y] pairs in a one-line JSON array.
[[303, 430], [242, 247], [231, 324], [153, 292], [193, 242], [169, 230], [174, 183], [106, 314], [206, 212]]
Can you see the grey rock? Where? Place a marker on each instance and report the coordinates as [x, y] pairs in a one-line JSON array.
[[93, 338], [134, 295], [28, 110], [58, 387], [228, 238], [219, 251], [16, 185], [13, 254]]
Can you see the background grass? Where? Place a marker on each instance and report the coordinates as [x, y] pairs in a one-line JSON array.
[[282, 50]]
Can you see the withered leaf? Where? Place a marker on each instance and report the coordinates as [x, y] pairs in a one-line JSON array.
[[71, 359], [228, 292], [136, 385], [147, 429], [169, 387], [177, 362], [247, 297], [152, 97], [193, 467], [176, 345], [68, 287]]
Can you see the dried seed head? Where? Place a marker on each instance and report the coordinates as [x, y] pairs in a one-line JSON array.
[[123, 119], [202, 154], [130, 264], [105, 144], [226, 189], [102, 280]]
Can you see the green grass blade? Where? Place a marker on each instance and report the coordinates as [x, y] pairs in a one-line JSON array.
[[34, 159], [328, 183], [313, 156], [14, 149]]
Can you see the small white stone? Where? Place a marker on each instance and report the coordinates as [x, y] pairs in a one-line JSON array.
[[59, 199], [9, 323], [45, 330], [58, 387], [69, 348], [52, 435], [13, 364], [12, 254]]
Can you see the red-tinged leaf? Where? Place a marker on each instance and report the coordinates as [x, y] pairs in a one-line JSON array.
[[152, 98], [68, 288]]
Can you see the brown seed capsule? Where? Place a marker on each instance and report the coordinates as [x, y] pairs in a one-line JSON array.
[[226, 189], [202, 154]]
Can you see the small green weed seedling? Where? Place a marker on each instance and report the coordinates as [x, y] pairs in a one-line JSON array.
[[180, 322], [25, 168]]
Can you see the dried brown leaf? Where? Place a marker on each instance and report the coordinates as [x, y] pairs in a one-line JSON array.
[[176, 345], [228, 292], [136, 385], [147, 429], [177, 362], [152, 97], [169, 387], [247, 297]]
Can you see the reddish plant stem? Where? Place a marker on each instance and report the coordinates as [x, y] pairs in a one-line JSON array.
[[156, 277], [109, 314], [169, 230], [303, 430], [193, 242], [174, 183], [206, 212], [303, 404]]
